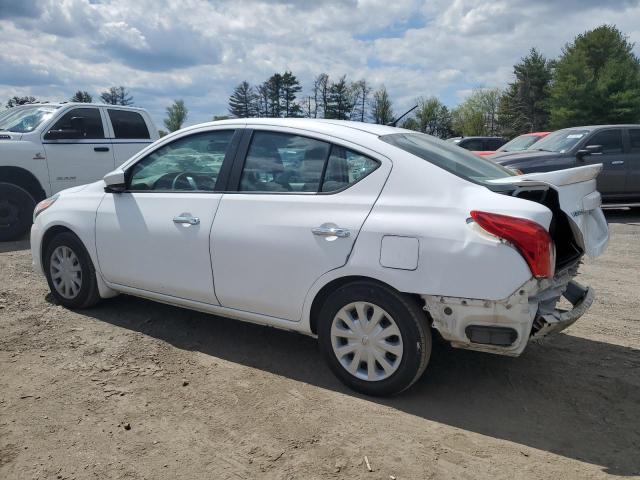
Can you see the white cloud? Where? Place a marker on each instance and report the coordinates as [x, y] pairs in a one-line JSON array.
[[199, 50]]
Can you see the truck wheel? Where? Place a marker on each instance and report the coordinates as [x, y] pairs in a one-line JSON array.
[[70, 272], [16, 211], [376, 340]]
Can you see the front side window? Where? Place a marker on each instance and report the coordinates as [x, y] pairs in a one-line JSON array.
[[448, 157], [493, 144], [187, 164], [473, 144], [78, 124], [610, 140], [128, 124]]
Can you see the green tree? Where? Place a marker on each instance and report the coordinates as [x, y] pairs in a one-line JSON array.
[[81, 96], [381, 107], [341, 100], [432, 117], [15, 101], [290, 87], [524, 106], [478, 113], [242, 102], [361, 91], [117, 96], [596, 80], [176, 115]]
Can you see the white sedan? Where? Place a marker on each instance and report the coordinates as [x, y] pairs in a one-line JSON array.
[[367, 236]]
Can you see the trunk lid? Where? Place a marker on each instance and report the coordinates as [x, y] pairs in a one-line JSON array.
[[577, 198]]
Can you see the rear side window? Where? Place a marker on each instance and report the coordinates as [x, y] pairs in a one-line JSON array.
[[611, 141], [81, 124], [282, 162], [448, 157], [127, 124], [493, 144], [472, 144], [634, 138]]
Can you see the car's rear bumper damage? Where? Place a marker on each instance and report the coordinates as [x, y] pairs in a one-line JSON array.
[[506, 326]]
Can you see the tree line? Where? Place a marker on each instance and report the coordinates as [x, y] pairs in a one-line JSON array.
[[595, 80]]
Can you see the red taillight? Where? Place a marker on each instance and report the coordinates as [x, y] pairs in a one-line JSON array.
[[531, 239]]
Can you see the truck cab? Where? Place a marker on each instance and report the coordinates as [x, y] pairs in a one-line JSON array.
[[48, 147]]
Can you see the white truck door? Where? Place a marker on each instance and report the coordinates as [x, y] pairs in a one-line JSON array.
[[129, 133], [77, 151]]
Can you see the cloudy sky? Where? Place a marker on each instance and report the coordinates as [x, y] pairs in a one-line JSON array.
[[199, 50]]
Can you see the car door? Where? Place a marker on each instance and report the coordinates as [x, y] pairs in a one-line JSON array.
[[298, 204], [612, 179], [632, 186], [77, 151], [155, 236], [129, 133]]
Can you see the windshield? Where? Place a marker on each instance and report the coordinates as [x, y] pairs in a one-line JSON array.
[[25, 119], [519, 143], [448, 156], [560, 141]]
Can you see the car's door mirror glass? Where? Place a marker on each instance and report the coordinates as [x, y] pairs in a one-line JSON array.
[[189, 163]]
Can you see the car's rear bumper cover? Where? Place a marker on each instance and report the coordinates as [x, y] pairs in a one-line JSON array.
[[530, 313]]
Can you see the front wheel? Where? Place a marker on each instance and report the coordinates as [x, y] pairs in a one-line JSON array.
[[16, 211], [70, 272], [375, 339]]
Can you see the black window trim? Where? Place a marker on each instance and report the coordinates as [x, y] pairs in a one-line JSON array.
[[233, 184], [223, 176]]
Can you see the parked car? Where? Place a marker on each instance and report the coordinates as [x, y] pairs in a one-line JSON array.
[[47, 147], [479, 145], [517, 144], [304, 225], [616, 147]]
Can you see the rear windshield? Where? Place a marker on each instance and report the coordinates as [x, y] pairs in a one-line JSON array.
[[448, 156]]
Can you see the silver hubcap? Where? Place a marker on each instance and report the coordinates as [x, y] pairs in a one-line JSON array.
[[66, 272], [366, 341]]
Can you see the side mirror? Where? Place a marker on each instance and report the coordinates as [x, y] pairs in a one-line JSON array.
[[589, 150], [115, 182]]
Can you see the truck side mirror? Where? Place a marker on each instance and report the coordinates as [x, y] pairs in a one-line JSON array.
[[589, 150]]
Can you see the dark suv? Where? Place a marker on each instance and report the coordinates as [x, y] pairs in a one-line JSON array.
[[616, 147], [479, 144]]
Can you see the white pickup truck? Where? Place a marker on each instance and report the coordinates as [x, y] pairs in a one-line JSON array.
[[47, 147]]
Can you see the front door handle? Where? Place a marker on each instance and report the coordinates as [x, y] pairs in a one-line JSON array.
[[100, 149], [186, 219], [617, 162], [330, 230]]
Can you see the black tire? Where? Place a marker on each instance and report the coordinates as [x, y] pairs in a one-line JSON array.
[[16, 211], [410, 320], [87, 295]]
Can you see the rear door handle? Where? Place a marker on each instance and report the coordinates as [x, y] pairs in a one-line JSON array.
[[617, 162], [330, 230], [186, 219], [100, 149]]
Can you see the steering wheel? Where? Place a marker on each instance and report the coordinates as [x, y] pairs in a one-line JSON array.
[[190, 181]]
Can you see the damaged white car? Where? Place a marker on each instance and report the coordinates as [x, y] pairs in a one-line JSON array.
[[366, 236]]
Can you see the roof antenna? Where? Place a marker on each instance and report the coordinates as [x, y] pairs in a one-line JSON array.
[[395, 122]]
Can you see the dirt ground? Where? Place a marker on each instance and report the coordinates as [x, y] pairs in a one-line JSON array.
[[132, 389]]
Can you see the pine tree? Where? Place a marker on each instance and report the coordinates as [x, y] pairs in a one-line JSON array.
[[243, 101], [340, 101], [596, 81], [381, 108], [15, 101], [117, 96], [81, 96], [176, 115]]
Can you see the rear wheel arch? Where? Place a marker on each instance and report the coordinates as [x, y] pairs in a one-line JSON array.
[[23, 179], [333, 285]]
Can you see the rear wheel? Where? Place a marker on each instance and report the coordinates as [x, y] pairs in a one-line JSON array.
[[70, 272], [374, 338], [16, 211]]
